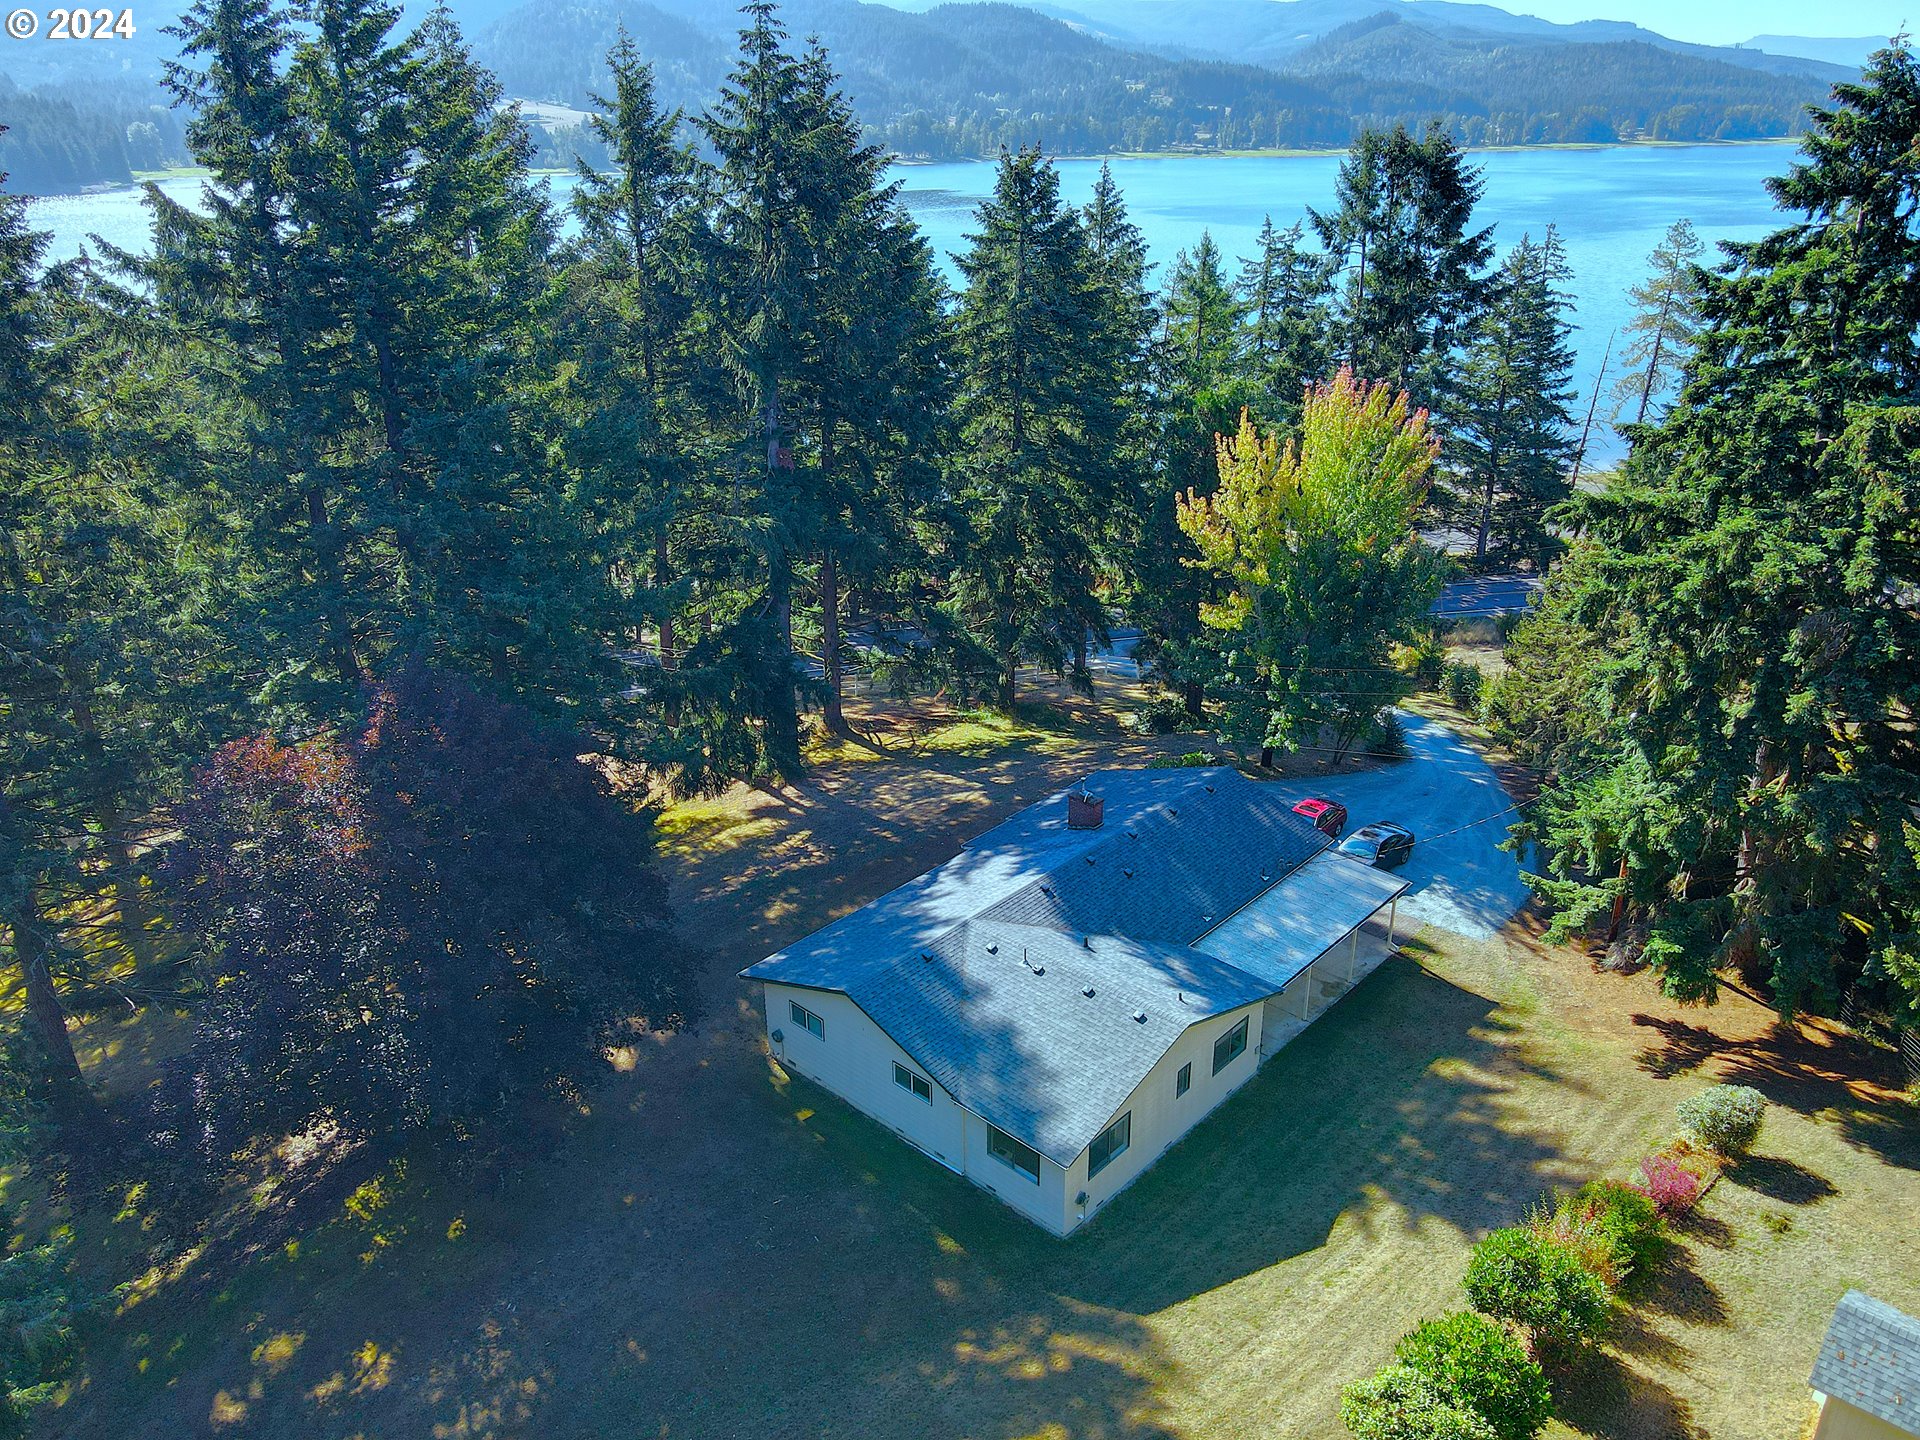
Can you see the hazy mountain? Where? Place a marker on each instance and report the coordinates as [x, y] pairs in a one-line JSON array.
[[1855, 51], [1268, 32], [964, 79]]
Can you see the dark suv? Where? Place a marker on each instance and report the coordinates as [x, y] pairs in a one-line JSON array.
[[1383, 845]]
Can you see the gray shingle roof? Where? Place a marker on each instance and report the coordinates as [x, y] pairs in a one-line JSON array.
[[947, 963], [999, 1014], [1871, 1360]]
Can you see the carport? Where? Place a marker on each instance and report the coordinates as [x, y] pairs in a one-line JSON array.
[[1314, 935]]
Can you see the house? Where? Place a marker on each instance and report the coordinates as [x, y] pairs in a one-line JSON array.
[[1866, 1382], [1051, 1009]]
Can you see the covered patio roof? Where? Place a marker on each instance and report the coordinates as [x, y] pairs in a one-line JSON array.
[[1279, 934]]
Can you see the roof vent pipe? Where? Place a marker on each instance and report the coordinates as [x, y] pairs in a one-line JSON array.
[[1085, 810]]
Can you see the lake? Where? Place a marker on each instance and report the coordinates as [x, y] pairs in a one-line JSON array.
[[1611, 204]]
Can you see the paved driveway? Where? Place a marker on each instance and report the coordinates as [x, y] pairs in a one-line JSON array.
[[1460, 881]]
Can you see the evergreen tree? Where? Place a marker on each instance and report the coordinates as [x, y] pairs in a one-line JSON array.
[[874, 377], [1757, 792], [1515, 432], [1039, 421], [767, 304], [1666, 318], [1414, 269], [1284, 292], [371, 255], [641, 405], [1202, 388]]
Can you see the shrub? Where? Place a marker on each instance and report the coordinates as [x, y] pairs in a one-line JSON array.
[[1163, 714], [1564, 1225], [1401, 1404], [1424, 660], [1671, 1187], [1724, 1118], [1537, 1283], [1181, 762], [1461, 684], [1629, 1220], [1387, 737], [1476, 1362]]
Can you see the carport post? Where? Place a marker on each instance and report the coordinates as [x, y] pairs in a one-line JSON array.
[[1353, 955], [1393, 913]]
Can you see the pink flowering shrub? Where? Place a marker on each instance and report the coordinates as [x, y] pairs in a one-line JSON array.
[[1671, 1186]]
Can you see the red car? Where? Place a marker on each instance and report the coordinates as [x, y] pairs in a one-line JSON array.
[[1327, 816]]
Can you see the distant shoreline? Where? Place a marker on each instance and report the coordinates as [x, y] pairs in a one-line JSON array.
[[194, 172]]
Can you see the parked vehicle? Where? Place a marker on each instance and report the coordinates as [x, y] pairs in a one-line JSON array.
[[1383, 845], [1327, 816]]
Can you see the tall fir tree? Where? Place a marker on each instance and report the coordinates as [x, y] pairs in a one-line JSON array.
[[1414, 268], [1666, 317], [1201, 389], [1754, 802], [370, 256], [1040, 417], [1284, 291], [1515, 435]]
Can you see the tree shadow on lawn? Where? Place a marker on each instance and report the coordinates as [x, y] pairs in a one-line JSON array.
[[1398, 1097], [1603, 1396], [1781, 1179], [1817, 1072]]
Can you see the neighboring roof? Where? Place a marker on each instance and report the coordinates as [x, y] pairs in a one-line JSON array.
[[1871, 1360], [946, 963], [1285, 930]]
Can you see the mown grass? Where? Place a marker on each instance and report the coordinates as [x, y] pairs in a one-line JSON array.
[[715, 1249]]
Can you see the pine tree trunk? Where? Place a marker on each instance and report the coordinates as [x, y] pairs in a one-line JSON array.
[[1009, 679], [662, 577], [1493, 471], [327, 554], [830, 639], [783, 711], [47, 1018], [1653, 361]]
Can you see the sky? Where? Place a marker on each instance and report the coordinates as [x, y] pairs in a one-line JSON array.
[[1727, 22]]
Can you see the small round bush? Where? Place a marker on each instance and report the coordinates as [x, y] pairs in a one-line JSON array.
[[1515, 1274], [1400, 1404], [1476, 1362], [1724, 1118]]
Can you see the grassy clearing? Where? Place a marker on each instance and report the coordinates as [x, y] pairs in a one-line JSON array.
[[714, 1249]]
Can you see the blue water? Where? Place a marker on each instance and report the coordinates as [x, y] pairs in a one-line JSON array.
[[1612, 205]]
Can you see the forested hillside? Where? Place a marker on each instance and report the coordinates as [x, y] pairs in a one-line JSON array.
[[964, 80]]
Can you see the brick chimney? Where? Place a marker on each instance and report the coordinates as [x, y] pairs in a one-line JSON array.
[[1085, 810]]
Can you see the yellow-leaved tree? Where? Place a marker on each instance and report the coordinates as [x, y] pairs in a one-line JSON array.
[[1320, 568]]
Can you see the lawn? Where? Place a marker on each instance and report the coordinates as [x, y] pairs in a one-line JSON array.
[[714, 1249]]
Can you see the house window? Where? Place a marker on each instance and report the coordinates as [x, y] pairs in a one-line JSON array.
[[1011, 1153], [1108, 1143], [807, 1020], [1183, 1082], [1229, 1046], [917, 1085]]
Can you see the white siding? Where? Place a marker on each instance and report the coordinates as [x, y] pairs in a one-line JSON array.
[[1159, 1116], [855, 1060]]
